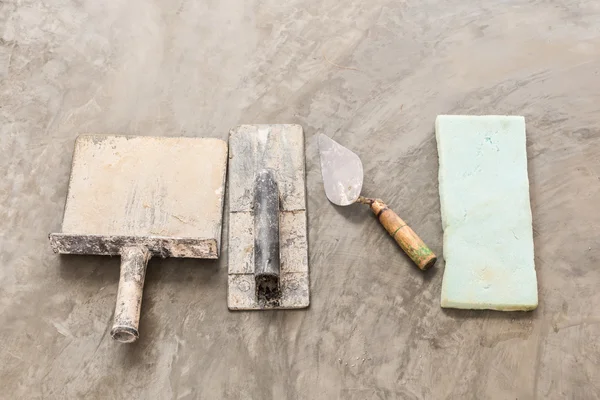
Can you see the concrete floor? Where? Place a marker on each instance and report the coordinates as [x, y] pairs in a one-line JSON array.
[[372, 74]]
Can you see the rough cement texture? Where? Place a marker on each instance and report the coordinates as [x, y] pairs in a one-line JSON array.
[[374, 329]]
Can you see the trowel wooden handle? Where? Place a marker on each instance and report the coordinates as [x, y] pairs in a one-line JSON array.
[[129, 296], [412, 244]]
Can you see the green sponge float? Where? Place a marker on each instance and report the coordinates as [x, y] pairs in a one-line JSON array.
[[486, 214]]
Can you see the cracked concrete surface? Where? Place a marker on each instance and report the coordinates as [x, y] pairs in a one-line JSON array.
[[372, 75]]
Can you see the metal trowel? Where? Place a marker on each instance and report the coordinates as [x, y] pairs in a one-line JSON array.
[[268, 242], [343, 178]]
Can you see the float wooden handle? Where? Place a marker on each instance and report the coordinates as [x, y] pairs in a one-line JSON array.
[[410, 242]]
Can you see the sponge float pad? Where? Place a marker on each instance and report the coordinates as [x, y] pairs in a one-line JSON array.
[[486, 214]]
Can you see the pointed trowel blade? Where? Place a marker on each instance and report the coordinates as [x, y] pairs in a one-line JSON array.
[[342, 172]]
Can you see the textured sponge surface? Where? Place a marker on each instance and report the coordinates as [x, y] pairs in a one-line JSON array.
[[486, 213]]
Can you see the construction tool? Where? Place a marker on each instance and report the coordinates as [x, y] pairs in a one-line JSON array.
[[488, 234], [342, 173], [268, 249], [141, 197]]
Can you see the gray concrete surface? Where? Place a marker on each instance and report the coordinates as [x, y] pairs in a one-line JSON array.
[[372, 74]]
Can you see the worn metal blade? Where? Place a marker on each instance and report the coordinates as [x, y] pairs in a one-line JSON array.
[[342, 172]]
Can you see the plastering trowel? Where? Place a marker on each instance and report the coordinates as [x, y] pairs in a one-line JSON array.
[[268, 249], [342, 173], [142, 197]]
